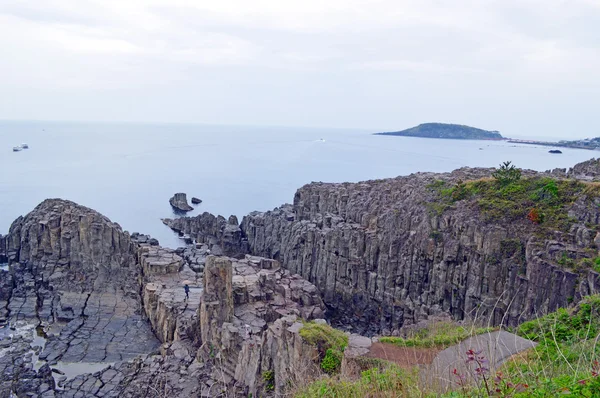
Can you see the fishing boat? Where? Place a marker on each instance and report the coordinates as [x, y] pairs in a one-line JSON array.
[[17, 149], [24, 146]]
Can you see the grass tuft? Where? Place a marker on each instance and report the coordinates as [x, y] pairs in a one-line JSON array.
[[439, 335]]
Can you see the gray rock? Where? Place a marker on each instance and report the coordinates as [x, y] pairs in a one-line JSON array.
[[179, 202], [212, 231], [196, 200]]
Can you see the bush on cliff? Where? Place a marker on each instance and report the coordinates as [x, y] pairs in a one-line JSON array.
[[507, 174], [330, 343], [541, 201]]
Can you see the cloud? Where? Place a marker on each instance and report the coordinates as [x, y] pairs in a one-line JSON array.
[[295, 48]]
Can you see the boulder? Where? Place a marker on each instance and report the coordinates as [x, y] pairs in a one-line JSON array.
[[179, 202], [196, 201]]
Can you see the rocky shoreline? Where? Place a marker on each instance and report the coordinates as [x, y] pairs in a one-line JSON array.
[[87, 309]]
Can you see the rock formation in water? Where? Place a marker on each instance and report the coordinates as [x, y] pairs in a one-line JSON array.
[[389, 253], [179, 202], [196, 201]]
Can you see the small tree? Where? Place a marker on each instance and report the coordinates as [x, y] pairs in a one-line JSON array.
[[507, 173]]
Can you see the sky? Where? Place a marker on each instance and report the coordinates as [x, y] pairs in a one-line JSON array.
[[523, 67]]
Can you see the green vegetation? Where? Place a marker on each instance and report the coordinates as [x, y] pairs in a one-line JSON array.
[[332, 361], [566, 361], [269, 379], [441, 335], [507, 174], [593, 263], [566, 325], [449, 131], [330, 343], [542, 201], [372, 383]]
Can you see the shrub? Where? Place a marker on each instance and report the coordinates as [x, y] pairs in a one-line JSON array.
[[323, 337], [507, 174], [269, 379], [534, 216], [565, 325], [330, 343], [332, 361]]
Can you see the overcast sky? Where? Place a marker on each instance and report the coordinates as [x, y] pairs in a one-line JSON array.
[[523, 67]]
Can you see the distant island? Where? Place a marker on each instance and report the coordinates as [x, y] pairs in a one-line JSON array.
[[447, 131]]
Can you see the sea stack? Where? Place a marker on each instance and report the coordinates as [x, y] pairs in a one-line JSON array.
[[196, 201], [179, 202]]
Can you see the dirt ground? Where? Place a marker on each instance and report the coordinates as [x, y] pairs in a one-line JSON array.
[[405, 357]]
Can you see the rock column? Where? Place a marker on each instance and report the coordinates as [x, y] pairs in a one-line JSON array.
[[216, 306], [3, 254]]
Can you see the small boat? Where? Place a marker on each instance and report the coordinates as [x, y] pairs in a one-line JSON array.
[[554, 151], [17, 149], [24, 146]]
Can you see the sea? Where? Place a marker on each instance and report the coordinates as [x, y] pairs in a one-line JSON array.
[[128, 171]]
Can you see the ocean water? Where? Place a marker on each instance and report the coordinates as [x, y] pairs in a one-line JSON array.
[[129, 171]]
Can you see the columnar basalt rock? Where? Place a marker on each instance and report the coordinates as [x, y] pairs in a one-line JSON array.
[[3, 253], [383, 257], [216, 307], [250, 316], [74, 271], [220, 235]]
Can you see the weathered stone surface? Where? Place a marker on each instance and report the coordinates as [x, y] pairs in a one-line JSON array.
[[589, 171], [249, 321], [73, 272], [78, 276], [106, 304], [216, 307], [382, 259], [179, 202], [220, 235]]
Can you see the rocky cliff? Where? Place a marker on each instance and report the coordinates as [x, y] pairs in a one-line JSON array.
[[250, 316], [90, 310], [391, 252]]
